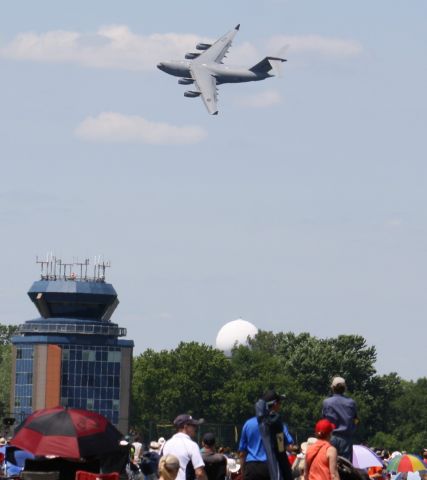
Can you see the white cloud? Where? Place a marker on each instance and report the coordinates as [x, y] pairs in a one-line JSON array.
[[116, 46], [118, 128], [113, 46], [264, 99], [317, 44]]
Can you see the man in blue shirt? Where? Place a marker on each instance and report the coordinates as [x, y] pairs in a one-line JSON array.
[[341, 411], [253, 456]]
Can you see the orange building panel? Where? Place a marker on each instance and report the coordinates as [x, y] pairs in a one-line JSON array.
[[53, 376]]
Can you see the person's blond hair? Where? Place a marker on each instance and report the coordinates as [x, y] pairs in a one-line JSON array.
[[168, 467]]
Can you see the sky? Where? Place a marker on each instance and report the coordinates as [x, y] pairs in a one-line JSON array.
[[300, 207]]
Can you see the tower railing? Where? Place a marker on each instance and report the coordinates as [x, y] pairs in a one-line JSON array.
[[67, 328]]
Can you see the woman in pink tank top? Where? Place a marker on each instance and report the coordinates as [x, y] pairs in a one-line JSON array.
[[321, 457]]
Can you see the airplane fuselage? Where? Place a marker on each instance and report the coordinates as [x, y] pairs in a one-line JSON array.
[[205, 70], [222, 73], [178, 68]]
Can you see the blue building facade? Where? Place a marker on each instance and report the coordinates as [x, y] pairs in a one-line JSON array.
[[72, 355]]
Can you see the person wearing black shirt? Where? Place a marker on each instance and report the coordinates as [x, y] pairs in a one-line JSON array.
[[215, 463]]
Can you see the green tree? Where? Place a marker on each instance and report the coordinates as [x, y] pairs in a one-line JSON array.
[[198, 379], [307, 364], [6, 332], [384, 441], [252, 372], [313, 361], [188, 379], [410, 415], [375, 406]]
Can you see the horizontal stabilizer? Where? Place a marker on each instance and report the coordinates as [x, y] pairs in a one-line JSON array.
[[266, 64]]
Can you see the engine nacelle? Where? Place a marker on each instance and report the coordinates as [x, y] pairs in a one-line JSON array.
[[191, 94], [203, 46], [185, 81], [191, 55]]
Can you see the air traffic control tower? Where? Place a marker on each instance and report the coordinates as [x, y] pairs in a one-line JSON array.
[[72, 355]]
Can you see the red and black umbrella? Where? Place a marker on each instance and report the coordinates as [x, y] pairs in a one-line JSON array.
[[66, 432]]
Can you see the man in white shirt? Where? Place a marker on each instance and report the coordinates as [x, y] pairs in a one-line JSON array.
[[138, 450], [191, 465]]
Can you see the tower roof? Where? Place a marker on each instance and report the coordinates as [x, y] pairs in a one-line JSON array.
[[74, 299], [63, 293]]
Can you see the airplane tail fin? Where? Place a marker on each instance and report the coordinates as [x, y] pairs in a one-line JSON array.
[[272, 63], [267, 64]]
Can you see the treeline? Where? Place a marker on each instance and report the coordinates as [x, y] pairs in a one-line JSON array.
[[6, 332], [199, 379]]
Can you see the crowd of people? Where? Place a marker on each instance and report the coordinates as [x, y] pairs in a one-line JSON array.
[[266, 448]]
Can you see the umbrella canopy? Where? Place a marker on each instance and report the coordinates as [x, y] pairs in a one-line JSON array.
[[406, 463], [66, 432], [408, 476], [364, 457]]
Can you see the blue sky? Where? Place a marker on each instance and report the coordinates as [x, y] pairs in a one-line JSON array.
[[300, 207]]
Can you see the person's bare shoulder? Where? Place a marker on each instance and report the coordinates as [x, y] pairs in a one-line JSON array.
[[331, 451]]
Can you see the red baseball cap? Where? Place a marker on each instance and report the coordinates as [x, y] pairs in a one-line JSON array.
[[324, 427]]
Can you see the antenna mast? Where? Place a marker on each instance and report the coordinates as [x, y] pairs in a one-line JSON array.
[[54, 268]]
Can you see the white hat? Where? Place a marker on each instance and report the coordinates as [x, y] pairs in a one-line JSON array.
[[305, 445], [232, 465], [155, 446], [337, 381], [2, 441]]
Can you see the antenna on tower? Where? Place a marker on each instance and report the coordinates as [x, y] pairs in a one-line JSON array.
[[104, 266], [59, 262], [70, 275], [81, 265], [94, 267], [43, 266], [53, 268]]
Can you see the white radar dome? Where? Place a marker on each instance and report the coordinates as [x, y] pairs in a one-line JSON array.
[[235, 332]]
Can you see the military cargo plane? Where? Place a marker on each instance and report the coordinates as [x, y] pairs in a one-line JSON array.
[[205, 70]]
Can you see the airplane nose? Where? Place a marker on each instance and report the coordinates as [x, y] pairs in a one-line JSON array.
[[160, 66]]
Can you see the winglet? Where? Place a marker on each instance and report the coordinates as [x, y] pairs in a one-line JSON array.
[[237, 27]]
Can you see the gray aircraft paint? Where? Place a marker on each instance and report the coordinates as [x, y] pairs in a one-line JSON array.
[[206, 70]]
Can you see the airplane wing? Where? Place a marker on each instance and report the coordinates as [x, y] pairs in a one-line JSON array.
[[206, 83], [217, 51]]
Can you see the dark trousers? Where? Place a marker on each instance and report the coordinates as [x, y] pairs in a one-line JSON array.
[[256, 471], [344, 446]]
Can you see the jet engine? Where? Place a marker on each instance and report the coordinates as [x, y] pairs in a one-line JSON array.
[[185, 81], [191, 56], [191, 94], [203, 46]]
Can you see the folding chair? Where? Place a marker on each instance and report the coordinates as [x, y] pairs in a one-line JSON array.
[[82, 475], [28, 475]]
